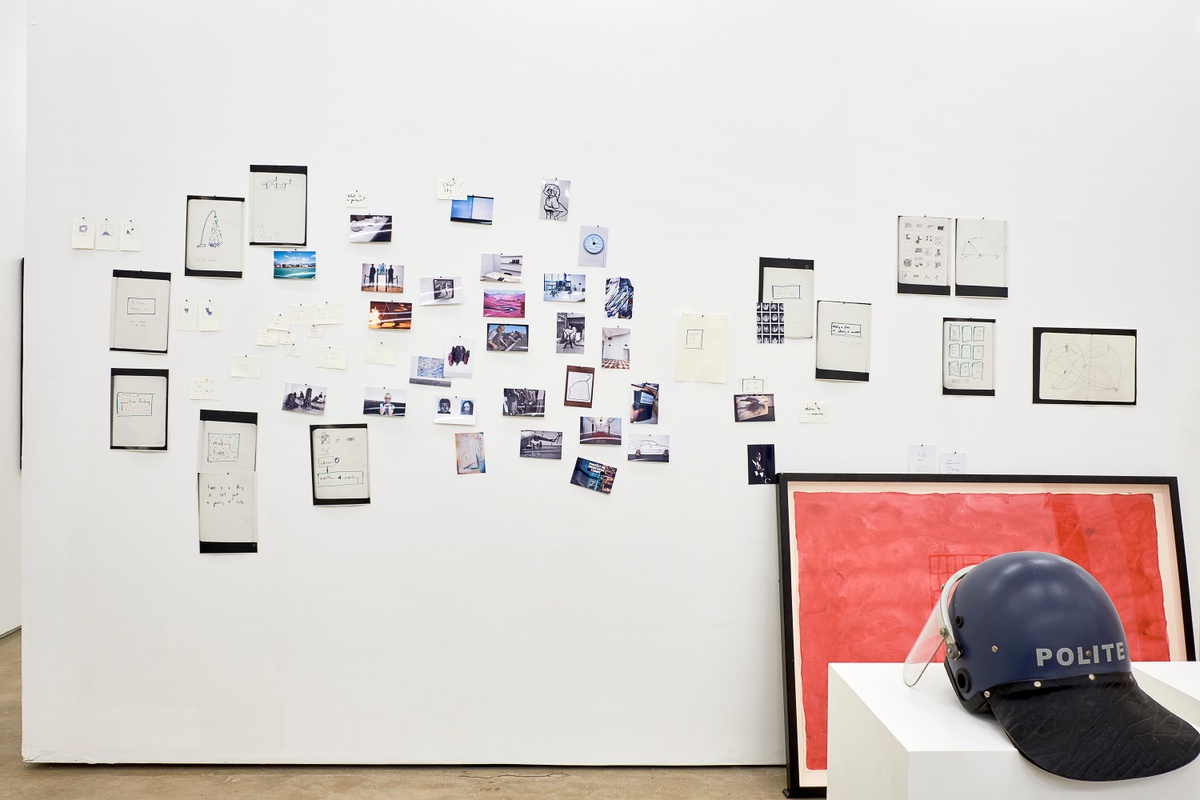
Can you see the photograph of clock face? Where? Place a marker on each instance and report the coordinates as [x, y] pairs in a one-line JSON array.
[[593, 246]]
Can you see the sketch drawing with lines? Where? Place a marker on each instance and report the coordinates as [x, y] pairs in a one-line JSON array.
[[1086, 367]]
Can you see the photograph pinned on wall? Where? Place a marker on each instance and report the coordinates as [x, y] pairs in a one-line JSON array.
[[524, 402], [468, 453], [304, 398], [380, 401], [507, 337], [137, 409], [645, 403], [370, 228], [428, 371], [618, 298], [614, 350], [454, 410], [556, 199], [1085, 365], [760, 463], [564, 287], [968, 356], [383, 278], [789, 281], [843, 341], [656, 447], [981, 258], [214, 237], [600, 430], [500, 268], [924, 246], [441, 291], [593, 475], [458, 357], [593, 246], [541, 444], [141, 307], [754, 408], [296, 264], [568, 331], [340, 473], [476, 209], [506, 303], [278, 205], [390, 316], [770, 323], [578, 386]]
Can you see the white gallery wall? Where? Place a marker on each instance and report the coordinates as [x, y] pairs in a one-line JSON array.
[[12, 248], [511, 616]]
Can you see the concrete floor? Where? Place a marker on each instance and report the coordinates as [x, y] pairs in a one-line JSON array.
[[20, 781]]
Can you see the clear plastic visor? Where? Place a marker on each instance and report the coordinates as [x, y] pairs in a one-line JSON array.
[[933, 634]]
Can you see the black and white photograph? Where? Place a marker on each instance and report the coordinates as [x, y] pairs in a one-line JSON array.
[[650, 448], [380, 401], [524, 402], [760, 463], [441, 291], [556, 199], [770, 323], [428, 371], [449, 410], [500, 268], [644, 408], [568, 330], [474, 209], [383, 278], [541, 444], [564, 287], [304, 398], [507, 337], [370, 228], [754, 408], [614, 348], [600, 430]]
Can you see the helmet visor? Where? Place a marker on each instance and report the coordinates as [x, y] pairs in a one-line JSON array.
[[925, 648]]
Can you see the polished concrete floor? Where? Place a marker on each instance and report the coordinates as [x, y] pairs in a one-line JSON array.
[[20, 781]]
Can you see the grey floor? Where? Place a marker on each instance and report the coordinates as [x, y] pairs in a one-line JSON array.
[[20, 781]]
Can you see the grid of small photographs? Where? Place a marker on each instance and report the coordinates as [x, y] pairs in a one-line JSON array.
[[770, 323]]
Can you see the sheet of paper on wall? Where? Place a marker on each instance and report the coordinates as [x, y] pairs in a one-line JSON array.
[[279, 322], [593, 246], [138, 409], [141, 304], [843, 341], [789, 281], [228, 512], [204, 389], [83, 234], [953, 463], [329, 314], [108, 235], [981, 258], [922, 459], [210, 317], [267, 338], [187, 315], [278, 205], [131, 236], [355, 199], [246, 367], [213, 236], [332, 357], [228, 441], [379, 353], [453, 189], [968, 356], [702, 348], [302, 313], [814, 412], [340, 472], [924, 250]]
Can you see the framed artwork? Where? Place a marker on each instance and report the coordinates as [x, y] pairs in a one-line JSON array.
[[137, 409], [968, 356], [981, 258], [214, 236], [863, 557], [924, 248], [789, 282], [1085, 365], [340, 473], [141, 303], [278, 205], [579, 385]]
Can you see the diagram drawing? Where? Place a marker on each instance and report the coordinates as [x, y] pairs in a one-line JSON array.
[[1094, 367], [210, 235], [979, 247]]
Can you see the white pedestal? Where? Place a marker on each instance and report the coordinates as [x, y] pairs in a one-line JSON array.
[[887, 741]]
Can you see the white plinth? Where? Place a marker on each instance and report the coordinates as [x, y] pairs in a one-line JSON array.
[[890, 742]]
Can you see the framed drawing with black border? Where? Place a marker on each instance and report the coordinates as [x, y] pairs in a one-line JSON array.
[[863, 559], [1085, 366]]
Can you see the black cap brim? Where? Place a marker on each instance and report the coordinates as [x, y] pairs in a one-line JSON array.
[[1105, 729]]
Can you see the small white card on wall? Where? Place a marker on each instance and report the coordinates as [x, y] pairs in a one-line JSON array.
[[83, 234], [452, 189], [205, 389], [380, 353], [246, 367], [355, 199], [108, 235], [131, 236], [922, 459], [954, 463], [210, 319], [814, 412], [332, 357]]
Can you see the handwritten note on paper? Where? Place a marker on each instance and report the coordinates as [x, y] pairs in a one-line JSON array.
[[228, 508], [279, 322], [954, 463], [139, 306], [246, 367], [814, 412], [332, 357], [339, 459], [452, 189], [922, 459], [223, 448], [328, 314], [135, 404], [302, 313], [204, 389], [267, 339], [380, 353], [355, 199]]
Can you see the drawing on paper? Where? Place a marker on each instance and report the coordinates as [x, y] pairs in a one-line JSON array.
[[555, 199], [578, 386], [1085, 366], [210, 231], [468, 451], [651, 448]]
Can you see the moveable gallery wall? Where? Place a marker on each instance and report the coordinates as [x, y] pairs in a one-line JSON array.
[[512, 616]]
